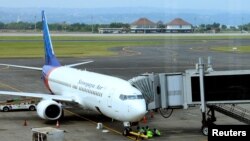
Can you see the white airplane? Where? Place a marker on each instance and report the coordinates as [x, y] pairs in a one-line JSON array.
[[110, 96]]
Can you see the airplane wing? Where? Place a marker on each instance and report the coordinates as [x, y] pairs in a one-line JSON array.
[[24, 67], [38, 95], [78, 64], [40, 69]]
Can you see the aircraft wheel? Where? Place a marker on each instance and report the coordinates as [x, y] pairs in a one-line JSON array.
[[126, 132], [32, 108]]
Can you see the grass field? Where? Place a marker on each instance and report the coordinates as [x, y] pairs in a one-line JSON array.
[[65, 49], [22, 46], [84, 46]]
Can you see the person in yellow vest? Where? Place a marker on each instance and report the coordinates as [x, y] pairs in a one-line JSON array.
[[149, 132], [140, 130], [156, 132]]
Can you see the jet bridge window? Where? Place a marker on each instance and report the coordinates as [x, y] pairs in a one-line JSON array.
[[130, 97]]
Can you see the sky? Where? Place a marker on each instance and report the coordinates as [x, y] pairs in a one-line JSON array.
[[223, 5], [230, 12]]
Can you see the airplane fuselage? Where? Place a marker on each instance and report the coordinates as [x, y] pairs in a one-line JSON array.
[[108, 95]]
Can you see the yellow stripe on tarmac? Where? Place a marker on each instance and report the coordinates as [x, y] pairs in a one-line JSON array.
[[8, 86], [113, 130]]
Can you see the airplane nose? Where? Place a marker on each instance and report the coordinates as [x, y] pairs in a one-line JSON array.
[[140, 110]]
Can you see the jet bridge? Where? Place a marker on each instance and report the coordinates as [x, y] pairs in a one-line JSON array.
[[207, 89]]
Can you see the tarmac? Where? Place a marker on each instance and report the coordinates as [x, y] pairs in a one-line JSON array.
[[81, 124]]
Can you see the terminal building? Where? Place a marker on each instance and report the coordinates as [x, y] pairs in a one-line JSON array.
[[110, 30], [178, 25], [143, 25]]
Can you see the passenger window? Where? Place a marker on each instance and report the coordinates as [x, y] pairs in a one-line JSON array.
[[132, 97]]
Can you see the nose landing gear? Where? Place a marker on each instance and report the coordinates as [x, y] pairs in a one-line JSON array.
[[126, 131], [127, 128]]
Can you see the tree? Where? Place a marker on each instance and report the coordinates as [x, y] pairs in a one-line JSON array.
[[201, 28], [224, 27], [118, 25], [209, 27], [216, 25], [1, 25], [244, 27], [39, 25], [232, 28], [75, 27]]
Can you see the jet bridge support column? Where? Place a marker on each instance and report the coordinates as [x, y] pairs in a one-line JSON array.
[[202, 95]]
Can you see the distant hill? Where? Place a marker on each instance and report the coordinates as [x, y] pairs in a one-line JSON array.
[[125, 15]]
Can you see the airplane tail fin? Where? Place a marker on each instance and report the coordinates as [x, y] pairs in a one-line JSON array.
[[50, 58]]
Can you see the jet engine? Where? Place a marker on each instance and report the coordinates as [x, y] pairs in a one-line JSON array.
[[49, 109]]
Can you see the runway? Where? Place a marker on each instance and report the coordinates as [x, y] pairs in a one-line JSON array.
[[132, 61]]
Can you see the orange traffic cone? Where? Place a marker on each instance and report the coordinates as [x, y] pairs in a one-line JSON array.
[[25, 123], [57, 124], [152, 114], [144, 119]]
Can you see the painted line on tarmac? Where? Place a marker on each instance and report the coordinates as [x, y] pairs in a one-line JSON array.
[[8, 86], [93, 122], [5, 68], [113, 130], [130, 51]]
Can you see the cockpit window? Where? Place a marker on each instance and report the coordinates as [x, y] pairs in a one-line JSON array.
[[139, 97], [130, 97], [123, 97]]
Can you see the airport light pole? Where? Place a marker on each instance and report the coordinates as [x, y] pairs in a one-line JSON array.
[[92, 26], [144, 25], [195, 24], [35, 23], [202, 96], [242, 24], [202, 93]]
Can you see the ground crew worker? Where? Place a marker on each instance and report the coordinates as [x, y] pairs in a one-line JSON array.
[[156, 132], [149, 133], [143, 130], [140, 131]]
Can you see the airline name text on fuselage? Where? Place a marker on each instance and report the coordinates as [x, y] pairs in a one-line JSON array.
[[89, 85]]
